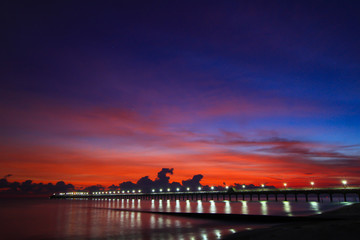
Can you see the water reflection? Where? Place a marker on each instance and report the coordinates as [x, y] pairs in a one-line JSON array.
[[152, 221], [227, 207], [199, 208], [160, 204], [96, 219], [287, 208], [160, 222], [188, 206], [212, 207], [315, 207], [177, 206], [244, 209], [264, 208], [133, 203], [168, 206], [217, 233], [152, 204]]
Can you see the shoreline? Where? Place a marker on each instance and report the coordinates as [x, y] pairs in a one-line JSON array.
[[339, 223]]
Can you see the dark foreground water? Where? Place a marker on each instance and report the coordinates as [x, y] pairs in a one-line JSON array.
[[97, 219]]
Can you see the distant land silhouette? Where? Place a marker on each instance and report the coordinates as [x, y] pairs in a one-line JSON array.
[[145, 184]]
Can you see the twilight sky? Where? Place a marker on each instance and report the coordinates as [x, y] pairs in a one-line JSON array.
[[239, 91]]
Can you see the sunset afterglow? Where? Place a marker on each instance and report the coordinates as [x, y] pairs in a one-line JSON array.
[[239, 96]]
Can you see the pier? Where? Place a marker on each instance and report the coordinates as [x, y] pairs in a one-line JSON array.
[[263, 194]]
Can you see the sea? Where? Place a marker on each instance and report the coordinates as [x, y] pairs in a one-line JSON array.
[[132, 219]]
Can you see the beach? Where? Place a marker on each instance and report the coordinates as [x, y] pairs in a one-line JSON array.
[[337, 224]]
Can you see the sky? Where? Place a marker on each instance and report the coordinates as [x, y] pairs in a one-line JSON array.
[[247, 92]]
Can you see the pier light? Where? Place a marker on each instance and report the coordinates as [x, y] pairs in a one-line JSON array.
[[262, 185], [122, 191], [168, 189], [344, 182], [243, 186], [212, 188], [128, 191], [285, 184], [178, 189], [106, 192], [227, 187], [312, 184], [118, 191], [160, 189], [133, 191], [153, 190], [139, 191], [199, 188], [187, 189]]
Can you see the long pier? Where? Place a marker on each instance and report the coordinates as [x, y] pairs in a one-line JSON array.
[[293, 194]]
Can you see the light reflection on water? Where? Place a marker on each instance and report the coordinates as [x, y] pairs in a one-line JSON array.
[[102, 218], [244, 208], [287, 208], [177, 206], [227, 207], [212, 207], [315, 207], [264, 208], [199, 208]]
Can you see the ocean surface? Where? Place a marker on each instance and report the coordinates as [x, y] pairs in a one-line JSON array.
[[115, 219]]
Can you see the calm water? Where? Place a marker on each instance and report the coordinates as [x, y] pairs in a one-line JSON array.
[[97, 219]]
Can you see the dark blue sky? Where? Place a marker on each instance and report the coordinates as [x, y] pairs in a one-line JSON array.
[[141, 86]]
